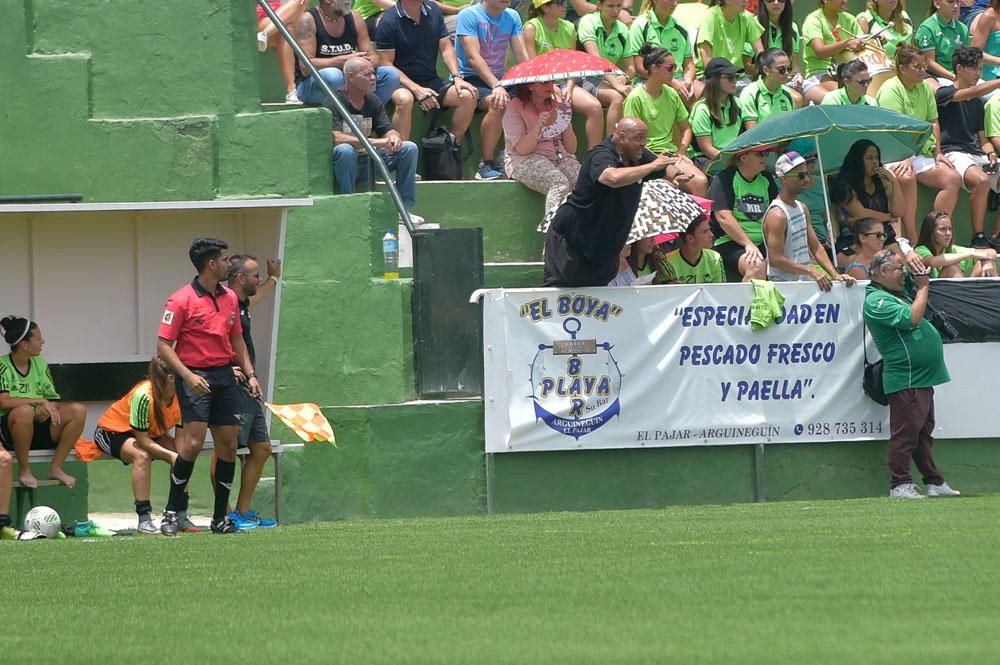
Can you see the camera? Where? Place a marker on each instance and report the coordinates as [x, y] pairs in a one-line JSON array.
[[939, 320]]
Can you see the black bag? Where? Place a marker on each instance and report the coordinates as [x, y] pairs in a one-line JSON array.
[[442, 155], [871, 382]]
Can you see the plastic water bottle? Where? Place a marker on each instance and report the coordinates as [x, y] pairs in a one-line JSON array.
[[390, 253]]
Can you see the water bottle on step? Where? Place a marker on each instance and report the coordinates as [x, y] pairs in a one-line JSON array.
[[390, 253]]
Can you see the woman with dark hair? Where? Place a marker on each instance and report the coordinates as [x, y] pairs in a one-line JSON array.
[[889, 19], [715, 118], [136, 430], [768, 95], [854, 81], [780, 31], [938, 37], [658, 105], [829, 32], [603, 33], [657, 26], [869, 240], [865, 188], [31, 415], [728, 31], [986, 35], [541, 145], [945, 259]]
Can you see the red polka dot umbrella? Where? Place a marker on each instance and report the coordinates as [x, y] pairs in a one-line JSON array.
[[558, 65]]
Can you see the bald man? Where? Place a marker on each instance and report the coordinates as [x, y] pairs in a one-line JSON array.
[[590, 228]]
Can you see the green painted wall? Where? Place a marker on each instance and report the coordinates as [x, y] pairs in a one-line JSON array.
[[70, 504]]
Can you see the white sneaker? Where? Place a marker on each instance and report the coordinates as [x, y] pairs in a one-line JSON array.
[[262, 41], [293, 98], [416, 219], [147, 528], [941, 490], [906, 491]]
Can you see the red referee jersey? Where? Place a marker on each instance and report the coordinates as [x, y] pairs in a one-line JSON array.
[[201, 324]]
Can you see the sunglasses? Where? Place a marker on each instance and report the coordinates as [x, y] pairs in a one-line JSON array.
[[801, 175], [878, 234], [670, 68], [731, 77], [864, 83]]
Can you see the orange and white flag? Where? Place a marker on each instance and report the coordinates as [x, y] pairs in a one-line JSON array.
[[306, 420]]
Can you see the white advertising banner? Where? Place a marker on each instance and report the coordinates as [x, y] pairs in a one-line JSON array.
[[673, 366]]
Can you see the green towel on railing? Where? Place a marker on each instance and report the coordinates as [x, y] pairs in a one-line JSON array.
[[765, 306]]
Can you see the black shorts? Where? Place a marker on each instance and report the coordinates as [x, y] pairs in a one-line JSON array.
[[41, 438], [111, 442], [566, 267], [253, 425], [220, 406], [731, 252], [439, 86]]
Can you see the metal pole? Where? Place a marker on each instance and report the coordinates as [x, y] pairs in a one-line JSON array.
[[404, 214], [826, 201]]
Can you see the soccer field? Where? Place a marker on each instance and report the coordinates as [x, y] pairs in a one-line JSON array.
[[863, 581]]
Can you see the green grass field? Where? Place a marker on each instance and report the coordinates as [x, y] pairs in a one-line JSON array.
[[863, 581]]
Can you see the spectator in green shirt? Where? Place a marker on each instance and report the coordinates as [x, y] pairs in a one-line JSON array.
[[694, 262], [726, 31], [854, 81], [890, 21], [716, 118], [603, 33], [780, 31], [657, 104], [938, 37], [545, 30], [768, 95], [829, 33], [937, 249], [657, 26]]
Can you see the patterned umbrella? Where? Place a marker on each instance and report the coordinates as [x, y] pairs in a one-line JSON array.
[[558, 65], [662, 209]]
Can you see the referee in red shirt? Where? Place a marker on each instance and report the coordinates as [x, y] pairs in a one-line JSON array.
[[201, 338]]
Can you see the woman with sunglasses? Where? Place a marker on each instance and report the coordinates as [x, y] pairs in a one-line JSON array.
[[986, 35], [727, 31], [854, 81], [945, 259], [656, 26], [829, 32], [658, 105], [768, 95], [910, 93], [136, 431], [869, 241], [547, 30], [780, 31], [716, 119], [864, 189], [602, 33], [890, 21]]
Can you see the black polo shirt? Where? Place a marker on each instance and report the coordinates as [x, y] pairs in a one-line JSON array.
[[245, 322], [595, 220], [416, 44]]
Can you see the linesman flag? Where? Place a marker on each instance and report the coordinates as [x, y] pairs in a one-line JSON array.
[[306, 420]]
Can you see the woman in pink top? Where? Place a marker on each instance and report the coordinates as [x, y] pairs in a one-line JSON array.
[[540, 142]]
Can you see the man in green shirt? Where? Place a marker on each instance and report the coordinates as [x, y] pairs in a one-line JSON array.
[[913, 364]]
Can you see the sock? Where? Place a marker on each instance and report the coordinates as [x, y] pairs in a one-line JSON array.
[[179, 477], [224, 473], [5, 521], [144, 509]]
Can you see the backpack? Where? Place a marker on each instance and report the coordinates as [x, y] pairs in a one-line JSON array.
[[441, 153]]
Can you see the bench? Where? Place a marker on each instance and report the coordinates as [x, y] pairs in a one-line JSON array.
[[25, 496]]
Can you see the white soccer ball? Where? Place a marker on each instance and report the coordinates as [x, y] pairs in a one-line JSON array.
[[43, 520]]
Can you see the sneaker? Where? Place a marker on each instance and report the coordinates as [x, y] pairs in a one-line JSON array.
[[185, 524], [241, 522], [88, 529], [416, 219], [488, 171], [252, 516], [147, 528], [293, 98], [168, 525], [980, 241], [224, 525], [906, 491], [10, 533], [941, 490], [262, 41]]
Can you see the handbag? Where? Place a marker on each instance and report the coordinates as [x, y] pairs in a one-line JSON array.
[[441, 153], [871, 381]]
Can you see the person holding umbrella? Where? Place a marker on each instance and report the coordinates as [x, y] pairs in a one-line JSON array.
[[586, 236], [658, 105]]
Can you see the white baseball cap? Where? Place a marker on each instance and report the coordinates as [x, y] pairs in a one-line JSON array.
[[788, 161]]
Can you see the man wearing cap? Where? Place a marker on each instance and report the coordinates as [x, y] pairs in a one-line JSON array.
[[793, 250], [589, 229], [740, 194]]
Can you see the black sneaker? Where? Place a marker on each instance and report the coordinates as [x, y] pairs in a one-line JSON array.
[[168, 525], [993, 201], [995, 243], [224, 525], [980, 241]]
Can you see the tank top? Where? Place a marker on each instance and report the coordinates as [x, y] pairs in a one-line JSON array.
[[796, 242], [992, 46], [328, 46]]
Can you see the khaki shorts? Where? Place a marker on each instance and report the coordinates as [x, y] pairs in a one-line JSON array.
[[963, 161]]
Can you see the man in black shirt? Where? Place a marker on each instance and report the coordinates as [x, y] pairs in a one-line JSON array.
[[961, 116], [360, 101], [589, 229]]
